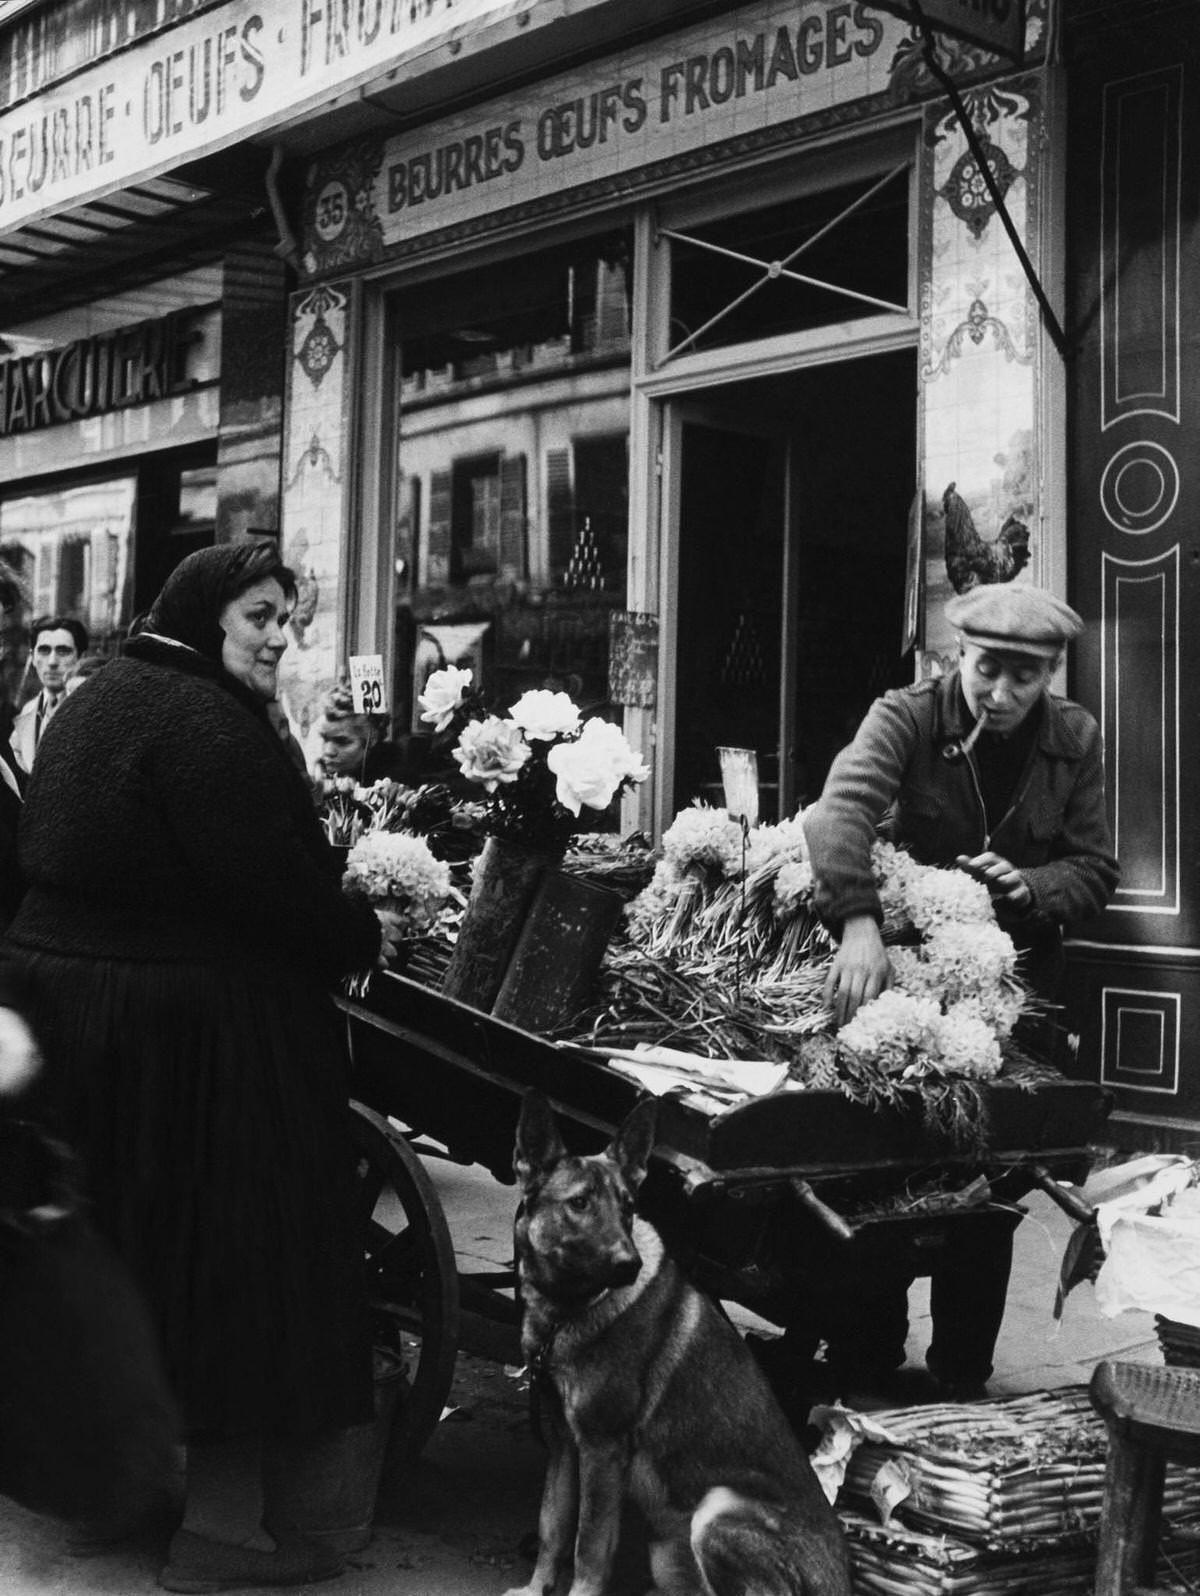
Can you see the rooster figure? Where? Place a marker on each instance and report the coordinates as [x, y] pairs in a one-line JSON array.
[[971, 560]]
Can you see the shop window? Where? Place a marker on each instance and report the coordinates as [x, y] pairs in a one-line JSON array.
[[568, 306], [511, 497], [810, 261], [477, 520], [70, 595], [100, 550], [176, 514], [475, 516], [74, 548], [197, 506]]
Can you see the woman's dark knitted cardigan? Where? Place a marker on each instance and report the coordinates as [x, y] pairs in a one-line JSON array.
[[163, 822]]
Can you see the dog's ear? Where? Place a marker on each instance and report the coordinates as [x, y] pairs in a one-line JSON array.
[[630, 1148], [539, 1145]]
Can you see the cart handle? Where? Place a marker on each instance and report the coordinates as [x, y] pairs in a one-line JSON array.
[[833, 1221], [1077, 1208]]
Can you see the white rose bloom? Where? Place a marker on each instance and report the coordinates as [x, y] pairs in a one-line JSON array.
[[582, 777], [443, 694], [609, 742], [544, 715], [591, 768], [491, 752]]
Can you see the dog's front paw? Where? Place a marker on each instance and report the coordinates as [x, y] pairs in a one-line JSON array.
[[530, 1590]]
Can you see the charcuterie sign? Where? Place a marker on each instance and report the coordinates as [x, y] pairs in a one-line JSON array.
[[366, 684]]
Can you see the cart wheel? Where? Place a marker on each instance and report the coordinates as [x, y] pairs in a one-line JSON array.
[[412, 1275]]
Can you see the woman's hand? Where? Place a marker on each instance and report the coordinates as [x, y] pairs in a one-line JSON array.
[[19, 1056], [391, 928], [1002, 879], [861, 969]]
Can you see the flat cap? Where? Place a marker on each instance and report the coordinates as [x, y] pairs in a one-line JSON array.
[[1012, 619]]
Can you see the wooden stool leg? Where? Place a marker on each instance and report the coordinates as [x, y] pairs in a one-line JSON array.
[[1129, 1527]]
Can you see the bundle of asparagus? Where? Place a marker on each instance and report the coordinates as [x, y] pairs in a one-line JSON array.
[[990, 1472], [996, 1474], [895, 1560]]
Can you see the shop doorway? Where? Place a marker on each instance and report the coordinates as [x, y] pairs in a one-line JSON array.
[[788, 504]]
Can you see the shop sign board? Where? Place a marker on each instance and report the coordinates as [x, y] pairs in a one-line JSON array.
[[46, 43], [222, 75], [995, 25], [110, 371], [732, 77]]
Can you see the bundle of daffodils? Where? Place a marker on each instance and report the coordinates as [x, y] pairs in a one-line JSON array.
[[728, 956], [719, 891], [955, 996], [349, 811], [397, 871]]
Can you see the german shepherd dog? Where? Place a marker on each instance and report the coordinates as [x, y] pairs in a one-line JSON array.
[[648, 1394]]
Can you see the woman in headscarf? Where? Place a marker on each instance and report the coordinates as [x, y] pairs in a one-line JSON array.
[[183, 925]]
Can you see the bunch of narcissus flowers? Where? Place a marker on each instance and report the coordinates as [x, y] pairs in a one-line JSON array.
[[397, 870], [736, 909]]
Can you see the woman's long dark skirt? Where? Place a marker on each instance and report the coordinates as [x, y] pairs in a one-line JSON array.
[[209, 1104]]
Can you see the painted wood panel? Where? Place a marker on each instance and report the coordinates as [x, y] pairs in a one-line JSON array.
[[1140, 244], [1140, 640], [1134, 506]]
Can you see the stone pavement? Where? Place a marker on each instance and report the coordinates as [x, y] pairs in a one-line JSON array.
[[455, 1526]]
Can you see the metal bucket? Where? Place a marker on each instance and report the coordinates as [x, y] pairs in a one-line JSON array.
[[558, 953], [326, 1488]]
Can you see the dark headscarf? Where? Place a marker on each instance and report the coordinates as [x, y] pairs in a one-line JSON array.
[[200, 587]]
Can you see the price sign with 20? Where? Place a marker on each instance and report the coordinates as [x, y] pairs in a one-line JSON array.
[[366, 684]]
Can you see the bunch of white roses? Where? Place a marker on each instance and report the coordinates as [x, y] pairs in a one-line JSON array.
[[541, 764]]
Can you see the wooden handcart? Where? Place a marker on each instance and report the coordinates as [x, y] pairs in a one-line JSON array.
[[783, 1199]]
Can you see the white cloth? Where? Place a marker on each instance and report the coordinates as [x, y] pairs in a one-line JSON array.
[[1151, 1260], [29, 727], [665, 1069]]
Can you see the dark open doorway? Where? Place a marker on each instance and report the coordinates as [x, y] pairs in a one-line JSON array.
[[794, 502]]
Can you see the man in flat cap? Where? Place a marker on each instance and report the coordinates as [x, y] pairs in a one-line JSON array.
[[983, 768]]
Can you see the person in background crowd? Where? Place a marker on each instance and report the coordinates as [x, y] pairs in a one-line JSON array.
[[987, 770], [87, 665], [56, 644], [12, 777], [182, 928], [354, 744], [19, 1056]]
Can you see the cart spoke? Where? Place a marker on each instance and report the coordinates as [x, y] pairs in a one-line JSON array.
[[411, 1275]]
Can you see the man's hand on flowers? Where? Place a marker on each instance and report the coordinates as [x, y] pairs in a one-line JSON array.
[[19, 1056], [392, 929], [860, 970], [1002, 879]]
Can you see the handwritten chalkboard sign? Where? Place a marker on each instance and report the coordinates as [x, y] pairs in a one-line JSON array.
[[633, 659]]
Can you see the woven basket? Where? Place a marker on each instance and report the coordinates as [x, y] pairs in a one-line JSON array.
[[1180, 1343]]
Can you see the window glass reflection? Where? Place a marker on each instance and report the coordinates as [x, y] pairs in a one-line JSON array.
[[73, 549], [512, 470]]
